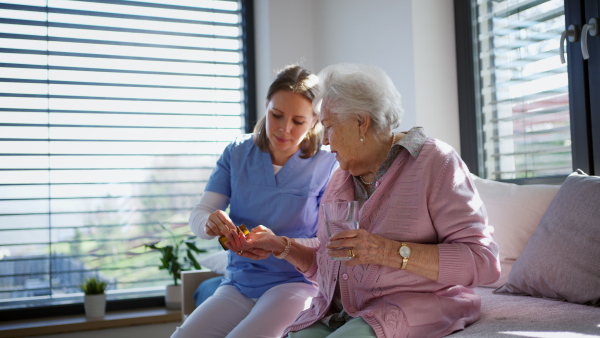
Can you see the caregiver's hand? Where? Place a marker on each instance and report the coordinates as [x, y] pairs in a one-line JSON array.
[[218, 224]]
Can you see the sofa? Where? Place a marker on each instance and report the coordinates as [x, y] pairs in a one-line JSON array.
[[549, 250]]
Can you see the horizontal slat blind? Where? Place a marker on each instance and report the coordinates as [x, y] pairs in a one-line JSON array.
[[112, 116], [524, 89]]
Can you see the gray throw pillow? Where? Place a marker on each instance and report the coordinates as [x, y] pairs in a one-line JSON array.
[[562, 258]]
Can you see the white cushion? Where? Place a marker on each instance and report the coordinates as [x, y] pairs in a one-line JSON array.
[[216, 262], [515, 212]]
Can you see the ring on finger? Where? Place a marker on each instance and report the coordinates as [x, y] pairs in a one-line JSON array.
[[240, 252], [351, 253]]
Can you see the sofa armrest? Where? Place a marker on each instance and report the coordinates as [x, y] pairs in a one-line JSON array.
[[189, 283]]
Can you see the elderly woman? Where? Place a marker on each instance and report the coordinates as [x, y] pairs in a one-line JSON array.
[[423, 240]]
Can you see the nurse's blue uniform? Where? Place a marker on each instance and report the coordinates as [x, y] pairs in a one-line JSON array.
[[287, 203]]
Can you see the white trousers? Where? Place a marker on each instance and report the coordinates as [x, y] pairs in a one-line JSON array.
[[230, 314]]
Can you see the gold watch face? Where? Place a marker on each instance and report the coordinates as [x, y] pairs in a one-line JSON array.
[[404, 251]]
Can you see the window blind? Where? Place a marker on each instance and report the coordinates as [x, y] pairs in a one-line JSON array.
[[523, 89], [112, 116]]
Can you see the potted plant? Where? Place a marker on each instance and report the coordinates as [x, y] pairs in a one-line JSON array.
[[171, 261], [95, 298]]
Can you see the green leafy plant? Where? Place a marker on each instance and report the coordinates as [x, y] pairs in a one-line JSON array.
[[170, 253], [94, 286]]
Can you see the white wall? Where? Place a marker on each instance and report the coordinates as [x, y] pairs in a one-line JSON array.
[[412, 40], [436, 89], [369, 32], [284, 35]]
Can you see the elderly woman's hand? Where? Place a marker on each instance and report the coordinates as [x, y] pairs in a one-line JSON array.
[[257, 245], [367, 248], [261, 243], [374, 249]]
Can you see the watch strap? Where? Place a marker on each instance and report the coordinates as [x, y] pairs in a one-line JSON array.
[[404, 263]]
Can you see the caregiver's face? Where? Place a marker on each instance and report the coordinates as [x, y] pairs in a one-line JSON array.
[[289, 117]]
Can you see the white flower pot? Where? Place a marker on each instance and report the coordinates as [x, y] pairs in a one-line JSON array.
[[95, 306], [173, 297]]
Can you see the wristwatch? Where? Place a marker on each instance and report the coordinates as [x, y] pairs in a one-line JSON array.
[[404, 252]]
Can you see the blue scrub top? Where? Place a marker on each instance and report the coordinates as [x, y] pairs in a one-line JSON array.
[[287, 203]]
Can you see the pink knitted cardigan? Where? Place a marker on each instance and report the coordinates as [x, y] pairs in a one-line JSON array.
[[427, 199]]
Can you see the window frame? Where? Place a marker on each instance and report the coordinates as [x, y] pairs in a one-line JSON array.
[[471, 140], [585, 107], [250, 113]]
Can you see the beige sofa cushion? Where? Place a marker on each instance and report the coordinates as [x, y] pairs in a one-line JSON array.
[[515, 212]]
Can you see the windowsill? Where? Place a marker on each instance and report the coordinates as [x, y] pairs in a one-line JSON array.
[[113, 319]]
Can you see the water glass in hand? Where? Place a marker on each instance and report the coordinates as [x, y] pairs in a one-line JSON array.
[[341, 216]]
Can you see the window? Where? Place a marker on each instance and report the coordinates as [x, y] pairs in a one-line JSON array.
[[518, 120], [112, 116]]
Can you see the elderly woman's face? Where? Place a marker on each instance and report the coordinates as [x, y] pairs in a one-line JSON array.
[[289, 117], [342, 136]]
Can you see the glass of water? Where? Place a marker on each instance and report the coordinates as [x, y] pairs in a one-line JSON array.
[[340, 216]]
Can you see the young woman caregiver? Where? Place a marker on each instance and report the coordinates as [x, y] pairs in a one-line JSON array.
[[276, 178]]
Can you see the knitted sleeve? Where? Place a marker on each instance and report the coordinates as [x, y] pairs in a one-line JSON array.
[[467, 253]]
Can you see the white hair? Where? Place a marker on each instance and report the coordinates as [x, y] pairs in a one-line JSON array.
[[358, 90]]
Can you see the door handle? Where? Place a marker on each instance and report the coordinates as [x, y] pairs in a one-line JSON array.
[[573, 35], [592, 28]]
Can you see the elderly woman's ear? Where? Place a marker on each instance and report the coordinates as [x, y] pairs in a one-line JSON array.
[[364, 122]]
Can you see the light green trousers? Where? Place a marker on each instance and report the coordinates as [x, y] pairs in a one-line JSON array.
[[355, 328]]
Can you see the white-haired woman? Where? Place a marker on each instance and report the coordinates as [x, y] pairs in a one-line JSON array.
[[423, 240]]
